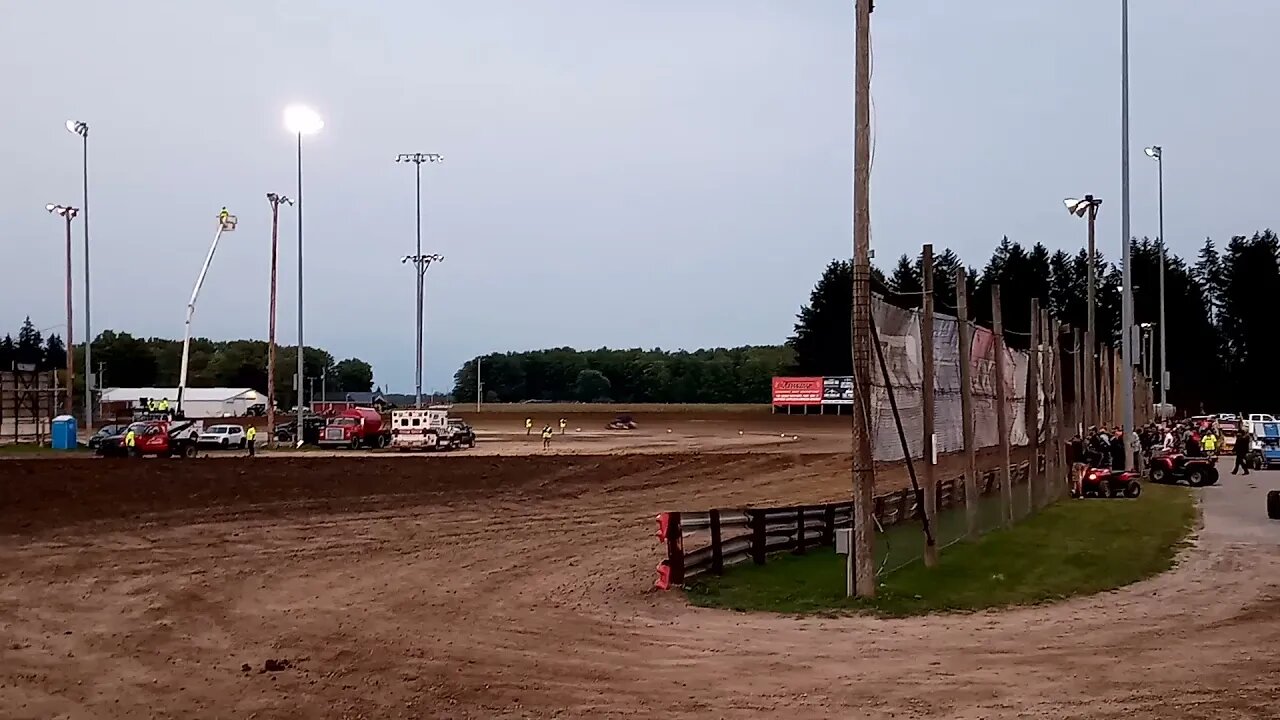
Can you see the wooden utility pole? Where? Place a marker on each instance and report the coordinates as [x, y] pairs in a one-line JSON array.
[[1077, 382], [966, 404], [1032, 413], [861, 579], [926, 400], [1002, 410], [1056, 484]]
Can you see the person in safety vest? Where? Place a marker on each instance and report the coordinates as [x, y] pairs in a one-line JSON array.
[[131, 442], [163, 405], [528, 426], [546, 437], [563, 422], [250, 437], [1209, 444]]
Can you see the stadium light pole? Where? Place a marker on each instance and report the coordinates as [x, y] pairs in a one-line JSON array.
[[1088, 207], [301, 120], [417, 159], [77, 127], [421, 263], [68, 213], [275, 200], [1126, 301], [1155, 152]]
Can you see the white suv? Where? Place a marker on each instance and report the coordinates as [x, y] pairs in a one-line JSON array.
[[225, 436]]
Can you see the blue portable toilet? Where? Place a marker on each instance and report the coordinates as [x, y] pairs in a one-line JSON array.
[[64, 433]]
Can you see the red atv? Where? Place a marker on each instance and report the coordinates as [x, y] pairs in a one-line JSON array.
[[1108, 483], [1197, 471]]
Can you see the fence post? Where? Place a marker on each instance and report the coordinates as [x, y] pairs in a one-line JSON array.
[[929, 483], [717, 552], [675, 548], [758, 540], [971, 494], [1032, 414], [829, 525], [800, 531], [1002, 409]]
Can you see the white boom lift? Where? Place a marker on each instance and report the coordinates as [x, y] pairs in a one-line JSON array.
[[226, 223]]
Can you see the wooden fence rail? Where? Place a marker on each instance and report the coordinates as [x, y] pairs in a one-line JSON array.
[[727, 537]]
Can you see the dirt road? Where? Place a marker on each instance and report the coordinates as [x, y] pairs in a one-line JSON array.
[[491, 587]]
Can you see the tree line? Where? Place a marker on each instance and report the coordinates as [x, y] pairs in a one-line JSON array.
[[127, 361], [1221, 341], [719, 375]]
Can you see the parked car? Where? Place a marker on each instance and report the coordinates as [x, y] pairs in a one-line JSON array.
[[224, 436], [105, 432]]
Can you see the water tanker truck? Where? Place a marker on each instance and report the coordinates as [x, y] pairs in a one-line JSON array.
[[355, 428]]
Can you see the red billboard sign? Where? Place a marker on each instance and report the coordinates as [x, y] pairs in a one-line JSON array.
[[797, 391]]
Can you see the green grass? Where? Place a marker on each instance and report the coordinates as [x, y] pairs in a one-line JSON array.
[[1075, 547]]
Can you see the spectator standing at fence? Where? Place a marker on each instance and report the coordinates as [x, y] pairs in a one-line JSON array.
[[563, 422], [250, 438], [528, 426], [546, 437]]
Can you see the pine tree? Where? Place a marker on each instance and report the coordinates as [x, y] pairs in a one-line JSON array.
[[1208, 274]]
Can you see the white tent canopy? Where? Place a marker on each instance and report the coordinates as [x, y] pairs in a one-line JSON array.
[[196, 402]]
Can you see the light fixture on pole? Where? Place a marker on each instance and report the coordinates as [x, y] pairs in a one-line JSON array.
[[68, 213], [77, 127], [1155, 152], [417, 159], [422, 263], [276, 201], [300, 120], [1088, 207]]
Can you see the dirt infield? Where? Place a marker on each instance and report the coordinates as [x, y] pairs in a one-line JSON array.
[[481, 586]]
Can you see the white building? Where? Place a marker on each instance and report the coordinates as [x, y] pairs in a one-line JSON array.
[[196, 402]]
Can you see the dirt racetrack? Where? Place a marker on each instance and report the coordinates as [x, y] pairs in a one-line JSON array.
[[473, 586]]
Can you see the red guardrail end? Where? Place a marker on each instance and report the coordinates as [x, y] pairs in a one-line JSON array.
[[664, 522], [664, 576]]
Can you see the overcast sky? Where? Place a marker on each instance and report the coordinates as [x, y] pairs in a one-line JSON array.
[[662, 173]]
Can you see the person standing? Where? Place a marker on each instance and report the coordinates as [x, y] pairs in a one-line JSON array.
[[1242, 452], [563, 422], [131, 443], [250, 438], [546, 437], [528, 426], [1209, 444]]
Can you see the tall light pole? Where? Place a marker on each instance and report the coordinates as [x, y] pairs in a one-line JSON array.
[[1156, 153], [301, 120], [417, 159], [82, 129], [1126, 300], [276, 201], [1088, 207], [68, 213], [421, 263]]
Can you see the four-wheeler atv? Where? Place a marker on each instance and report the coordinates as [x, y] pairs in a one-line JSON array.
[[1108, 483], [1197, 471]]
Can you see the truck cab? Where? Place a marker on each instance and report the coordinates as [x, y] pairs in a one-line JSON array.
[[355, 428]]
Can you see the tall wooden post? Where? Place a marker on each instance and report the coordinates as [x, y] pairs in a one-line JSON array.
[[966, 404], [1056, 483], [1032, 413], [1002, 410], [860, 573], [1077, 381], [926, 400]]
